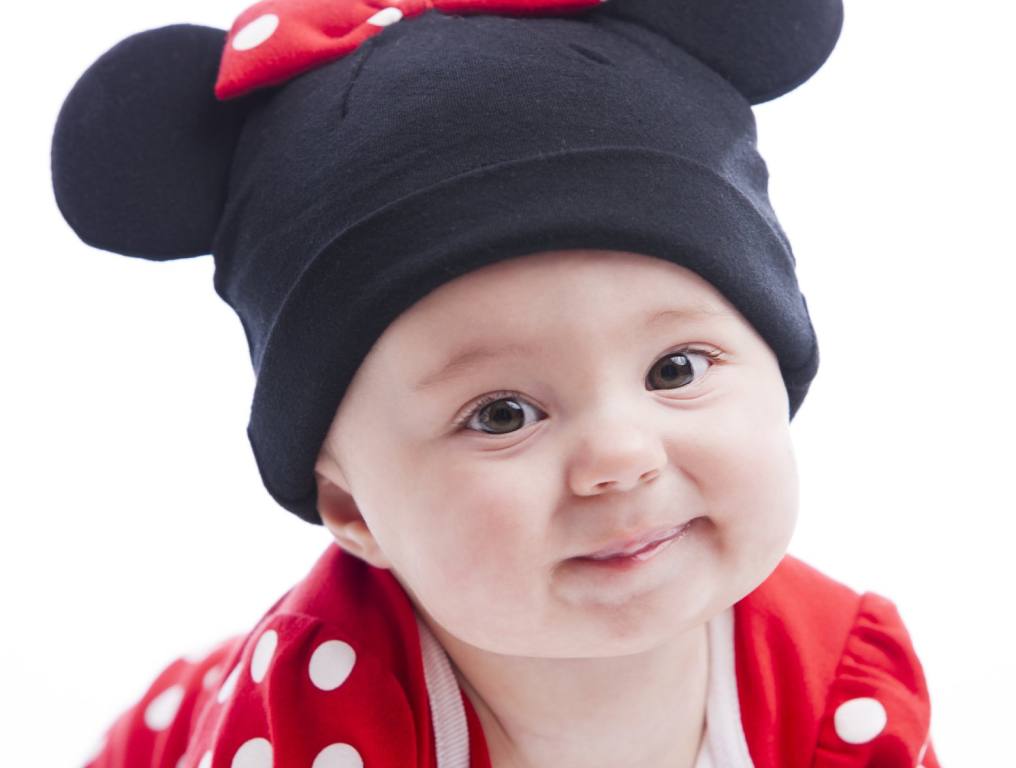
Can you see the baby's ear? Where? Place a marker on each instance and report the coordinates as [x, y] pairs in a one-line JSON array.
[[765, 48], [342, 517], [142, 148]]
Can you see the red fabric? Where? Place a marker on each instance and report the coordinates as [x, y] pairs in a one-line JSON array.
[[292, 36], [346, 668], [806, 644]]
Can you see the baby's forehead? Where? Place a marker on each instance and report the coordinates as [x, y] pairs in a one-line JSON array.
[[545, 288], [525, 307]]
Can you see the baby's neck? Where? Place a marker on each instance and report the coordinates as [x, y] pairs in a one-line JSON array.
[[650, 714]]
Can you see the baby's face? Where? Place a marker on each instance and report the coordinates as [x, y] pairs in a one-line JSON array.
[[597, 429]]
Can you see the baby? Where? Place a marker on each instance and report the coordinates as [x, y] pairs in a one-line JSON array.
[[642, 408], [528, 340]]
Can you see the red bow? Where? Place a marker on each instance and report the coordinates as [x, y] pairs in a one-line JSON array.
[[275, 40]]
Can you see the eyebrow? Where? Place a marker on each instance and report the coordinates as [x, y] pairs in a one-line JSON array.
[[472, 356]]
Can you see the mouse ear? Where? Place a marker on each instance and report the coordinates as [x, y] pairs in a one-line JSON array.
[[765, 48], [142, 148]]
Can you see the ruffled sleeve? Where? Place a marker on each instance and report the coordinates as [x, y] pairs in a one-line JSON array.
[[155, 731], [296, 691], [331, 675], [304, 692], [878, 711]]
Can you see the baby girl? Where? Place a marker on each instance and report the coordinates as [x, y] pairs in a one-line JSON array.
[[528, 342]]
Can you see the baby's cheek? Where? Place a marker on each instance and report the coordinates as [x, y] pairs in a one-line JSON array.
[[746, 476], [481, 569], [750, 457], [762, 516], [491, 548], [465, 596]]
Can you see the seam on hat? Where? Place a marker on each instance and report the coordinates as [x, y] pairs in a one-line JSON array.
[[366, 48]]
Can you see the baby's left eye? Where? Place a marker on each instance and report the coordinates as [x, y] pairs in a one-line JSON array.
[[675, 370]]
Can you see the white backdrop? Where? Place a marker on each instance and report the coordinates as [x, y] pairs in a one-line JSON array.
[[136, 527]]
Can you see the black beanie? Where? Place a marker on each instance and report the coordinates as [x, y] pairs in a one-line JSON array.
[[339, 166]]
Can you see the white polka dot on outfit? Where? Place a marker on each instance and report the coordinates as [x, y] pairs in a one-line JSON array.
[[331, 663], [256, 32], [229, 685], [385, 17], [858, 721], [162, 709], [263, 655], [338, 756], [212, 674], [206, 760], [254, 753]]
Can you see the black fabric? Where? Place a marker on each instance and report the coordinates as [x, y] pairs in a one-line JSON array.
[[765, 49], [141, 147], [442, 144]]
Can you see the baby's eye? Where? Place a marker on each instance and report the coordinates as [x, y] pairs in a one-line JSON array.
[[504, 413]]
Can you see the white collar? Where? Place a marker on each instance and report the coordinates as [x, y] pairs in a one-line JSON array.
[[724, 744]]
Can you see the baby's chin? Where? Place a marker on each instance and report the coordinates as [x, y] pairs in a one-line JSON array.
[[587, 631], [577, 643]]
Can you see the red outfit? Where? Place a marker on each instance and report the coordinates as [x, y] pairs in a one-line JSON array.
[[340, 673]]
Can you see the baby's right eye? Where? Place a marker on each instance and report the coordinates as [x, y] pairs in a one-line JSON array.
[[507, 411]]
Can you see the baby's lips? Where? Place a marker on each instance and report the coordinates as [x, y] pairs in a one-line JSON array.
[[632, 544]]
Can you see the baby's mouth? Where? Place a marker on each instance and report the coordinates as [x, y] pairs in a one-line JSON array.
[[642, 550], [638, 544]]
